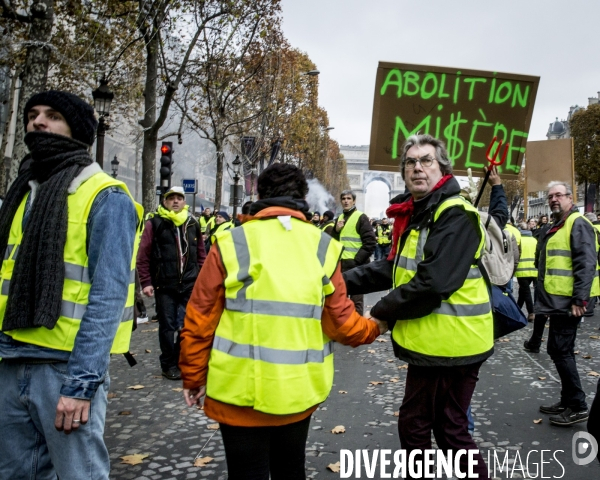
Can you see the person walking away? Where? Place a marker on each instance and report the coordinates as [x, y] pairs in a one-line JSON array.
[[260, 327], [526, 273], [384, 239], [567, 262], [439, 292], [353, 230], [68, 235], [170, 257]]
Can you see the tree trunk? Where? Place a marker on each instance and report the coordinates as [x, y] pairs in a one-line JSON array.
[[35, 72], [9, 118], [150, 132], [219, 182]]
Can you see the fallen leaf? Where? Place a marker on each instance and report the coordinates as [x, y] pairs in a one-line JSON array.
[[542, 378], [125, 412], [200, 407], [338, 429], [587, 356], [111, 395], [343, 392], [213, 426], [136, 387], [334, 467], [539, 420], [595, 337], [396, 414], [381, 340], [150, 330], [390, 360], [201, 462], [371, 351], [402, 367], [135, 459], [394, 380], [376, 382], [148, 351], [593, 374], [576, 352], [178, 389]]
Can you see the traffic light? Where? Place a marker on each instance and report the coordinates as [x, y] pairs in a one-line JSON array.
[[166, 163]]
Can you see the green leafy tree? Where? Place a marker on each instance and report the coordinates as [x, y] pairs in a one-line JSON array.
[[585, 130]]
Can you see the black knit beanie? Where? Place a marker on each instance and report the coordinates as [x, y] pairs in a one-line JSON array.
[[78, 114]]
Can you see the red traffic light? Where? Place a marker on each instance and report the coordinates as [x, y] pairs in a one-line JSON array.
[[165, 149]]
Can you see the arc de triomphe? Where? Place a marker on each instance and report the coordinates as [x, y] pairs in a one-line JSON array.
[[359, 175]]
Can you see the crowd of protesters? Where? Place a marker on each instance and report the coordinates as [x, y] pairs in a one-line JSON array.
[[70, 235]]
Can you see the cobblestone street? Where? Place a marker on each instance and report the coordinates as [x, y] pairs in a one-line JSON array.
[[367, 391]]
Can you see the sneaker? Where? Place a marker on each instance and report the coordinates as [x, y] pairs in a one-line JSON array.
[[142, 320], [553, 409], [529, 348], [172, 373], [569, 417]]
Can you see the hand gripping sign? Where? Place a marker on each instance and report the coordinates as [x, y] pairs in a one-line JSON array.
[[493, 163]]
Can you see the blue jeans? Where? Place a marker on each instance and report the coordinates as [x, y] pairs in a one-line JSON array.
[[31, 446]]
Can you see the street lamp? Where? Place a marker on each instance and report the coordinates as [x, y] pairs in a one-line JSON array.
[[103, 97], [115, 167], [235, 192]]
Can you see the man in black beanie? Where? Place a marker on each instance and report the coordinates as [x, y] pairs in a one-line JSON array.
[[67, 234]]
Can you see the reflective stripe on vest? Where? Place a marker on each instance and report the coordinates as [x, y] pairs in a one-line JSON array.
[[349, 236], [77, 281], [269, 351], [558, 279], [526, 267], [462, 325]]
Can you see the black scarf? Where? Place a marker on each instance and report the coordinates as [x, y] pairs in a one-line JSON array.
[[286, 202], [35, 293]]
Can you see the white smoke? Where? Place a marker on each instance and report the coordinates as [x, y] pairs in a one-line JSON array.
[[318, 198]]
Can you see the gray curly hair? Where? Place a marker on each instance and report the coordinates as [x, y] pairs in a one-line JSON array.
[[441, 154]]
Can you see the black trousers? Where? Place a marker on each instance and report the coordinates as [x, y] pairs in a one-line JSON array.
[[525, 292], [593, 424], [170, 308], [539, 324], [254, 452], [437, 398], [561, 346]]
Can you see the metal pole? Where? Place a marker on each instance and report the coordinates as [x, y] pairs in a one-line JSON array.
[[194, 198], [236, 179], [101, 132]]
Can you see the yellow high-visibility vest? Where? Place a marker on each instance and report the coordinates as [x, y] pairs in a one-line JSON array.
[[382, 237], [349, 236], [269, 350], [526, 267], [515, 232], [558, 279], [462, 326], [220, 228], [77, 282]]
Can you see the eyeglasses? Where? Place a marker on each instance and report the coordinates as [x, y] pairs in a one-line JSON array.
[[411, 163], [558, 196]]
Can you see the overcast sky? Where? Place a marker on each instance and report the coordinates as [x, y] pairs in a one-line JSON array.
[[556, 40]]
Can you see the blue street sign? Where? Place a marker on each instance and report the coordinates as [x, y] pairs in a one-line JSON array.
[[189, 185]]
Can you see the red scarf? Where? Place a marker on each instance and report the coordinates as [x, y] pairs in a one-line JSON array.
[[401, 213]]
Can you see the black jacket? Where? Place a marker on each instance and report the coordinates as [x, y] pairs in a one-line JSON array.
[[449, 253], [584, 259], [165, 268], [367, 236]]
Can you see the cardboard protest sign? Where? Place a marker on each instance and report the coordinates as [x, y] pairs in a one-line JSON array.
[[465, 108], [547, 161]]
